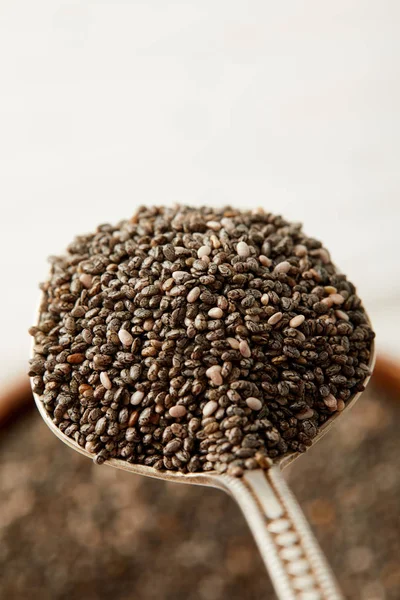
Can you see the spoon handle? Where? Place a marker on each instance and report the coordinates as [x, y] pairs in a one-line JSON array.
[[296, 564]]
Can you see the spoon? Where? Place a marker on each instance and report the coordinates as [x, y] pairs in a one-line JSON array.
[[292, 556]]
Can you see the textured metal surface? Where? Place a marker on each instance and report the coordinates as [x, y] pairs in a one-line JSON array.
[[290, 552]]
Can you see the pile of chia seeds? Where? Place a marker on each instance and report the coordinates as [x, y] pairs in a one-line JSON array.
[[197, 339]]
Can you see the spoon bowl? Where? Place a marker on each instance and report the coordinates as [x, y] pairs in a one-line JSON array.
[[296, 564]]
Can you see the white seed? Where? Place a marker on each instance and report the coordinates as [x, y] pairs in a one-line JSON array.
[[210, 408], [283, 267], [228, 224], [331, 402], [234, 344], [204, 251], [297, 321], [265, 299], [305, 414], [254, 403], [193, 294], [215, 313], [336, 298], [105, 380], [137, 397], [265, 261], [214, 373], [86, 280], [177, 411], [214, 225], [206, 259], [125, 337], [275, 318], [244, 349], [243, 249], [300, 250], [342, 315]]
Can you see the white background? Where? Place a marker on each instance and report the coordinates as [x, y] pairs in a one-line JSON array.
[[291, 105]]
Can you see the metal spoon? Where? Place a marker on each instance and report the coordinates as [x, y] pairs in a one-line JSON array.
[[295, 562]]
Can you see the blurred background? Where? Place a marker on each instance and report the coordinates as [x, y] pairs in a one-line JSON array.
[[106, 105]]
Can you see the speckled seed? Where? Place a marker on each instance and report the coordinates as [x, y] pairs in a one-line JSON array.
[[244, 349], [297, 321], [177, 411], [105, 380], [168, 284], [204, 251], [331, 402], [214, 373], [283, 267], [265, 261], [265, 299], [336, 298], [243, 249], [234, 344], [210, 408], [342, 315], [254, 403], [193, 294], [125, 337], [137, 397], [275, 318], [179, 275], [215, 313], [86, 280]]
